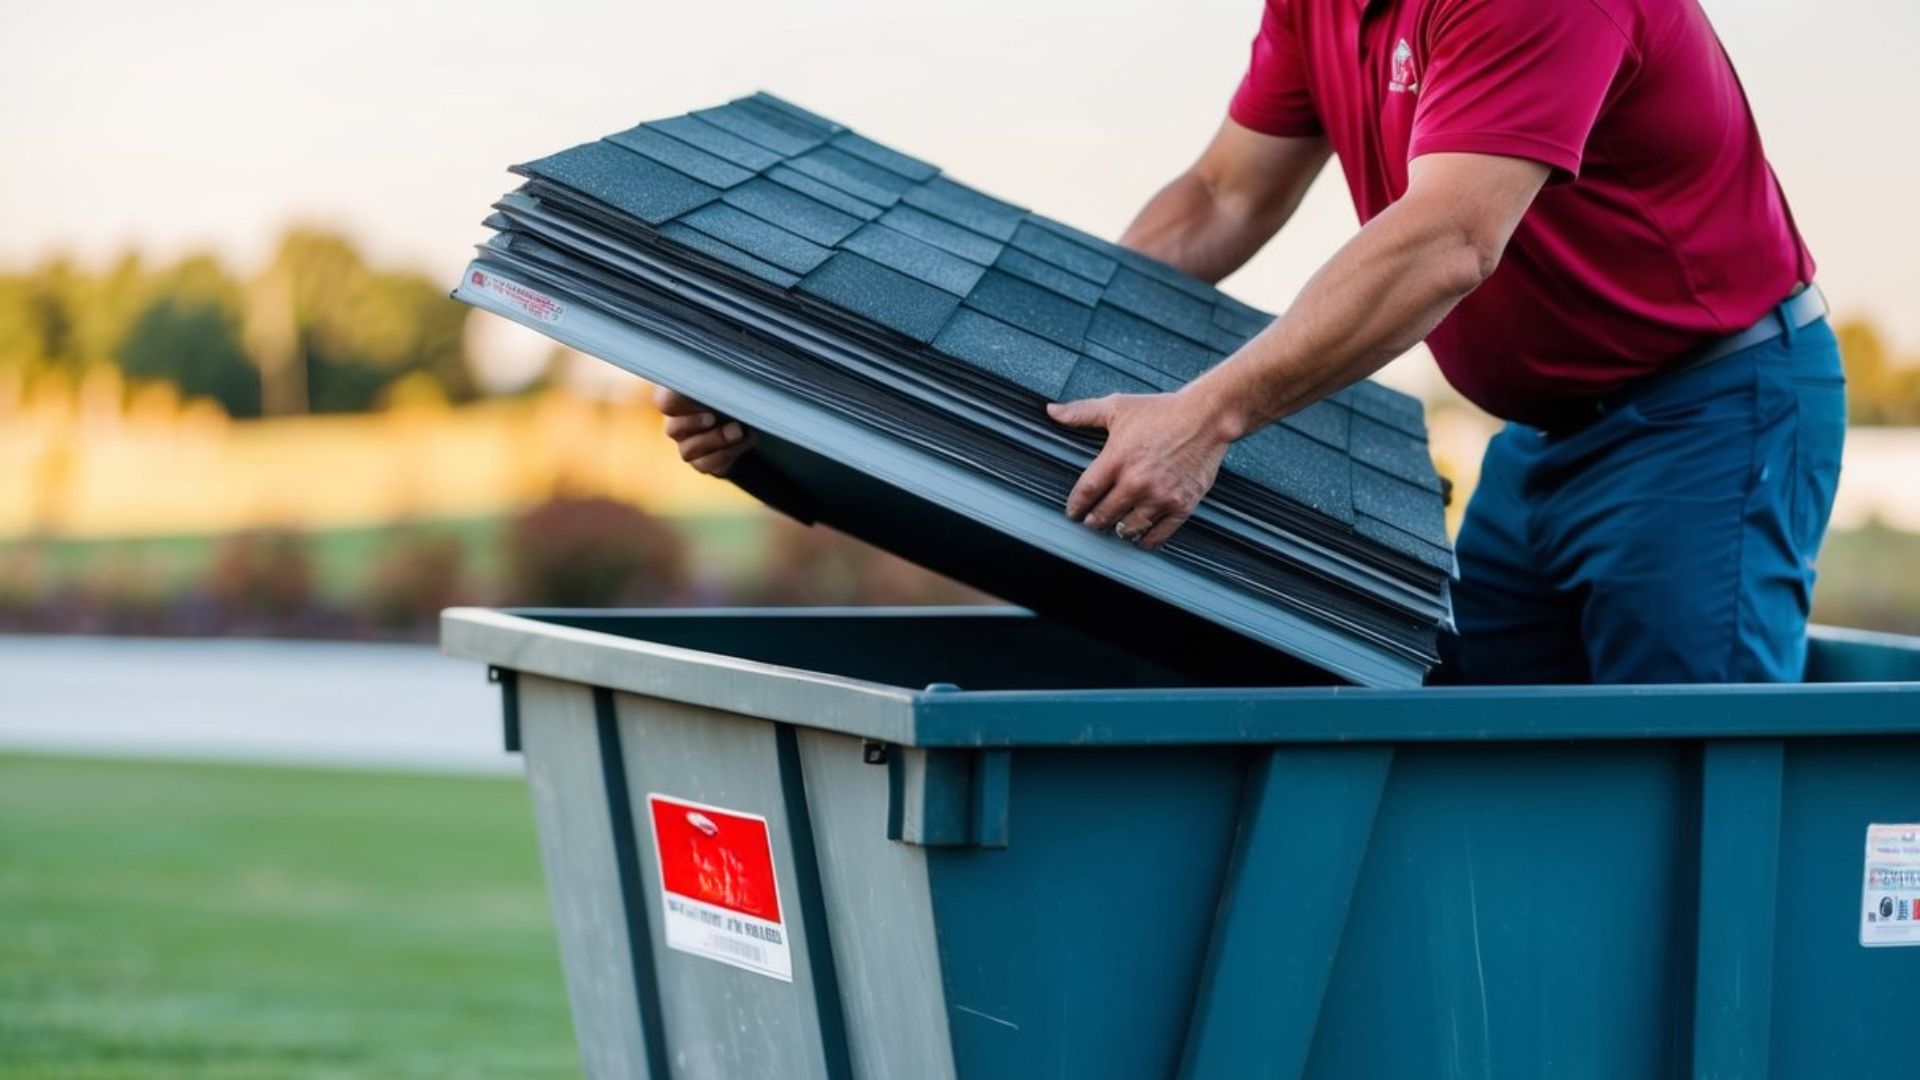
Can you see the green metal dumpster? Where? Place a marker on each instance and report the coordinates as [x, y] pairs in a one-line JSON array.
[[974, 843]]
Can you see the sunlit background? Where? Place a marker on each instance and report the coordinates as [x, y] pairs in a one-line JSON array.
[[236, 404]]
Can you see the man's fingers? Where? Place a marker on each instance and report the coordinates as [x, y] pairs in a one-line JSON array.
[[718, 462], [1091, 488], [1091, 412], [679, 427], [1162, 530], [674, 403], [707, 442], [1119, 500]]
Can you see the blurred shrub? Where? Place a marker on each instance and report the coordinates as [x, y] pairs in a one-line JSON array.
[[124, 591], [262, 575], [1869, 580], [417, 572], [23, 583], [573, 551], [816, 565]]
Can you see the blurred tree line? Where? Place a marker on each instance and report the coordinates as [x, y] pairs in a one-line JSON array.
[[1880, 389], [319, 329]]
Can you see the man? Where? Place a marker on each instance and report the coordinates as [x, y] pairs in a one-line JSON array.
[[1568, 201]]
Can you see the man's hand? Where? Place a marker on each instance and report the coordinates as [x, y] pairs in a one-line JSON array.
[[1162, 454], [708, 441]]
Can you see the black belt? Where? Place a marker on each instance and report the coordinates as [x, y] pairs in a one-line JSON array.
[[1803, 308]]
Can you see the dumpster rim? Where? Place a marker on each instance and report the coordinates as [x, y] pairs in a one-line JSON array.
[[526, 644], [1159, 716]]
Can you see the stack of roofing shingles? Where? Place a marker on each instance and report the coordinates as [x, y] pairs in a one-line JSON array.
[[818, 262]]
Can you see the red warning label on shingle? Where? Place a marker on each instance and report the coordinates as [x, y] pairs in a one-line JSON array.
[[719, 897], [534, 303]]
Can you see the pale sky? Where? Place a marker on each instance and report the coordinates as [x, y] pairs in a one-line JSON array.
[[176, 126]]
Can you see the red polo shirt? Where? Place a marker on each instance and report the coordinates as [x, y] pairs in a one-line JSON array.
[[1662, 227]]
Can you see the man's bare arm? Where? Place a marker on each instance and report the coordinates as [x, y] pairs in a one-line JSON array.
[[1383, 292], [1213, 217], [1378, 296]]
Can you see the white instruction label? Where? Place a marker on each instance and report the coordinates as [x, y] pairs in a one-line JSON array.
[[1890, 897], [542, 307]]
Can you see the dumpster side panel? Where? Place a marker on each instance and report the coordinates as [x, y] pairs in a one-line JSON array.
[[1522, 912], [880, 915], [560, 743], [722, 1022], [1840, 1008], [1076, 950]]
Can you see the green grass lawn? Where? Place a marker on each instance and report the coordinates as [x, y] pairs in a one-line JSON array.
[[163, 920]]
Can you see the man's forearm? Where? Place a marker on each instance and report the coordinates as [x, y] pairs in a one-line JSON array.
[[1187, 227], [1212, 218], [1377, 297]]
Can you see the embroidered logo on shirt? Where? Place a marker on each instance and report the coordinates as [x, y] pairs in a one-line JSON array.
[[1403, 79]]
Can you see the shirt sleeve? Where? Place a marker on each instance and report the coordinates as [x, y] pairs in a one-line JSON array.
[[1518, 78], [1273, 97]]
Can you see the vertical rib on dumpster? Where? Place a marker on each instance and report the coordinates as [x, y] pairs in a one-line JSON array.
[[806, 868], [626, 850], [566, 781], [1304, 830], [1739, 893]]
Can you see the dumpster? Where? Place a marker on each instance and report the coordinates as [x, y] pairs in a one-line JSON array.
[[980, 844]]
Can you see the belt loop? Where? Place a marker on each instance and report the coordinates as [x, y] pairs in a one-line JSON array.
[[1785, 316]]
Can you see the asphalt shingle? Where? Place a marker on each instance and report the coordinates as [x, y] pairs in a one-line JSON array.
[[1236, 317], [1225, 340], [687, 158], [1067, 232], [729, 255], [832, 196], [1145, 374], [1092, 379], [1161, 304], [1393, 452], [1437, 556], [915, 258], [792, 211], [1324, 421], [1158, 348], [1031, 308], [1400, 504], [1292, 465], [1394, 409], [885, 156], [889, 298], [623, 180], [756, 126], [1166, 275], [966, 207], [716, 141], [1026, 267], [853, 176], [1068, 254], [808, 117], [1007, 352], [965, 243], [769, 243]]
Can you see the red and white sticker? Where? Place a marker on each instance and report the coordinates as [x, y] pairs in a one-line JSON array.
[[540, 306], [719, 898], [1890, 895]]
